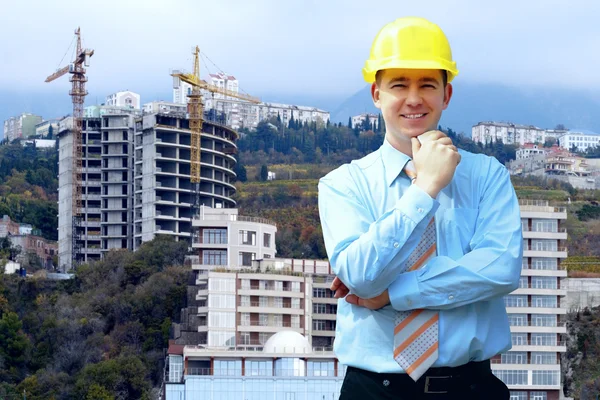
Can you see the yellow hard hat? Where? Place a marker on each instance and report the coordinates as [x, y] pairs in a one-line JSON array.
[[413, 43]]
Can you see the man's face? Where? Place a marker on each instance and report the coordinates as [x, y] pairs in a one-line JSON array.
[[411, 101]]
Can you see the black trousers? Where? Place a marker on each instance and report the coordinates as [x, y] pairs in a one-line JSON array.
[[470, 381]]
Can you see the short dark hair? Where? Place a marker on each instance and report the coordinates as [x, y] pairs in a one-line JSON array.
[[444, 77]]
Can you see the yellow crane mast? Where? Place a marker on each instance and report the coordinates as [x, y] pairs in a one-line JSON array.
[[77, 93], [195, 111]]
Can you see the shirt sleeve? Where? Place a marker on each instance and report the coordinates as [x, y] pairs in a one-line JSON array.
[[493, 266], [366, 253]]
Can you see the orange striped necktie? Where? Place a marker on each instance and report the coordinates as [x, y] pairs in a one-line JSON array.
[[416, 331]]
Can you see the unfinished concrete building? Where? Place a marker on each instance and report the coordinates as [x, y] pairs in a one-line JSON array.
[[136, 179], [163, 192]]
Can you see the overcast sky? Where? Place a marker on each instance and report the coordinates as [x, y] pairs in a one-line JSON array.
[[296, 47]]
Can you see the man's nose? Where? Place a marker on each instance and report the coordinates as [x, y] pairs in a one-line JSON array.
[[414, 97]]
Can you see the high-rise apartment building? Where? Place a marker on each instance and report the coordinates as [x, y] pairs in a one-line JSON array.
[[136, 179], [537, 309]]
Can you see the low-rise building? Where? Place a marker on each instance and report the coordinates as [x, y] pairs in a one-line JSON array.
[[21, 127], [8, 227], [580, 139], [47, 129], [125, 98], [359, 120]]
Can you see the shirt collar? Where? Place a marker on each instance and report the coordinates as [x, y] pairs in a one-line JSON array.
[[393, 162]]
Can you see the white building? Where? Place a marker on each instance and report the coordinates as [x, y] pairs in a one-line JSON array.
[[44, 128], [124, 99], [181, 92], [529, 151], [164, 107], [40, 143], [582, 139], [537, 309], [359, 120], [509, 133], [21, 127]]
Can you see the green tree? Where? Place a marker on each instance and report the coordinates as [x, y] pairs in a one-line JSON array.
[[13, 342], [50, 131], [264, 173]]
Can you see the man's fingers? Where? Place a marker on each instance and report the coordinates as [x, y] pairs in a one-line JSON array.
[[352, 299], [335, 284]]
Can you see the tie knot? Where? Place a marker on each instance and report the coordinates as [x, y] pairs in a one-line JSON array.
[[410, 171]]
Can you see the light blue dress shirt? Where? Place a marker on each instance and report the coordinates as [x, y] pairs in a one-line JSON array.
[[372, 218]]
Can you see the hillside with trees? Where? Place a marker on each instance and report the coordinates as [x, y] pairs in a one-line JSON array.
[[98, 336], [28, 186]]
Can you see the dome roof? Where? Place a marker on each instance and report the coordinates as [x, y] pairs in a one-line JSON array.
[[287, 342]]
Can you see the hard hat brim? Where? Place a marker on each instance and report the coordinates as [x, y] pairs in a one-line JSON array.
[[371, 67]]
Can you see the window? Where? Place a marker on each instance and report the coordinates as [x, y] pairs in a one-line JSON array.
[[543, 339], [123, 203], [320, 368], [512, 377], [228, 367], [543, 357], [259, 368], [524, 282], [318, 325], [267, 240], [124, 176], [248, 238], [221, 319], [175, 368], [543, 320], [517, 319], [262, 284], [263, 319], [278, 302], [514, 357], [221, 301], [214, 236], [245, 301], [221, 338], [263, 301], [295, 321], [295, 286], [246, 259], [214, 257], [279, 285], [545, 225], [245, 319], [515, 301], [246, 284], [544, 263], [124, 189], [518, 339], [245, 338], [544, 245], [221, 284], [319, 308], [544, 301], [544, 282], [545, 377], [278, 320], [295, 303]]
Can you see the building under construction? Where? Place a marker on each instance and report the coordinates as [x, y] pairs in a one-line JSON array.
[[135, 179]]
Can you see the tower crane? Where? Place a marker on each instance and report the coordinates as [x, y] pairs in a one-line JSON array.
[[195, 110], [77, 93]]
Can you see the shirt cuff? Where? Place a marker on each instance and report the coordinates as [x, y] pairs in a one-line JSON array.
[[416, 204], [404, 292]]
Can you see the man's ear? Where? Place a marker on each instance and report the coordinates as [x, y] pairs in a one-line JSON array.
[[447, 95], [375, 94]]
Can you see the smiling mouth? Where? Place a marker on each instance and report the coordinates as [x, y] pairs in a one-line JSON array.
[[413, 116]]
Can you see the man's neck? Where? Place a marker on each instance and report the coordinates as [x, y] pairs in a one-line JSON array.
[[403, 144]]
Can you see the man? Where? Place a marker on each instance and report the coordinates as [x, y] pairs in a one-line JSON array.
[[425, 239]]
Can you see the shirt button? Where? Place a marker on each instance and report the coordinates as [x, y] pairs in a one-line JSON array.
[[420, 210], [396, 244], [450, 297]]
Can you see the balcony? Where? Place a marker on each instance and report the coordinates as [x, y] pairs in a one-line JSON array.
[[558, 347], [548, 292], [282, 292], [560, 252], [256, 307], [270, 327], [536, 310], [560, 234], [230, 217], [560, 328]]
